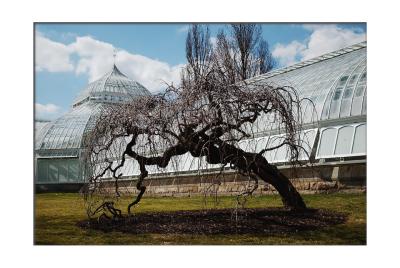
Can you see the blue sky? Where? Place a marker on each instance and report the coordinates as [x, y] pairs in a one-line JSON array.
[[68, 56]]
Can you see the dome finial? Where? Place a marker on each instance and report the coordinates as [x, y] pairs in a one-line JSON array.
[[114, 54]]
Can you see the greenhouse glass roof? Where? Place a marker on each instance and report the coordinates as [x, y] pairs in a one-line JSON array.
[[112, 87], [334, 82], [63, 137]]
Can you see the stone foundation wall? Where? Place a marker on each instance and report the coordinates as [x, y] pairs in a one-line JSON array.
[[321, 179]]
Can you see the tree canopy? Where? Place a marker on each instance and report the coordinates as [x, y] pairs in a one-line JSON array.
[[213, 109]]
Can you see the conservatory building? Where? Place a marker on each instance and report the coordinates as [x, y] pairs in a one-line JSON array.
[[334, 132], [59, 144]]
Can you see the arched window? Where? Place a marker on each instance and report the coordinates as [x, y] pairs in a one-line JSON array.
[[344, 139], [326, 144], [360, 140]]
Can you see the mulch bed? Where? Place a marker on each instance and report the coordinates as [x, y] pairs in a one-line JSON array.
[[219, 221]]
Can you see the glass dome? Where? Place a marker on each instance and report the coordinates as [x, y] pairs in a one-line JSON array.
[[113, 87], [63, 136]]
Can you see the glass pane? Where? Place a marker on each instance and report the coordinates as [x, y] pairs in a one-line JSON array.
[[345, 107], [62, 171], [282, 154], [53, 171], [326, 144], [343, 80], [73, 170], [343, 142], [42, 170], [360, 140], [334, 112], [260, 144], [307, 142], [325, 111], [364, 107], [348, 92], [363, 76], [358, 95], [359, 90], [353, 79], [337, 95], [272, 142], [356, 106]]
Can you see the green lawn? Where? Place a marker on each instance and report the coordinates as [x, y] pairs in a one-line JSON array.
[[56, 216]]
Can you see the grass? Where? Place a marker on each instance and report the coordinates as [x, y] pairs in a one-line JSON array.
[[56, 216]]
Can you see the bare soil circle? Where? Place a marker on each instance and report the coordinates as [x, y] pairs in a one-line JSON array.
[[219, 221]]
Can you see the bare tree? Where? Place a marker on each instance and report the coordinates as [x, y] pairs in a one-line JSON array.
[[264, 56], [244, 52], [207, 116]]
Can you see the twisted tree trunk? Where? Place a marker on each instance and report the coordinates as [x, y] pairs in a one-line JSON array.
[[257, 164], [291, 198]]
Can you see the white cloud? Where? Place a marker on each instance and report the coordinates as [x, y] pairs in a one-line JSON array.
[[327, 38], [323, 39], [46, 111], [153, 74], [288, 54], [95, 58], [52, 56]]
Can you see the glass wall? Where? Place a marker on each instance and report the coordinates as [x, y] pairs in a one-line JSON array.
[[343, 141], [65, 170]]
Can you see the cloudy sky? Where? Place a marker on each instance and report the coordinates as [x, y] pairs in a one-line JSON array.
[[68, 56]]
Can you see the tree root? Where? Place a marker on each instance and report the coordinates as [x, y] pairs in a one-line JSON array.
[[105, 207]]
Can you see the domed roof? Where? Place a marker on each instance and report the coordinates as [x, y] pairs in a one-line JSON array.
[[114, 86], [63, 137]]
